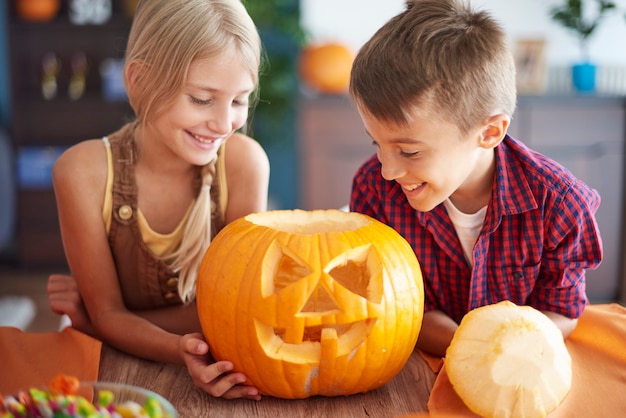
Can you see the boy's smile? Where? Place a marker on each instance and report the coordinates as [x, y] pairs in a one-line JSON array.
[[432, 160]]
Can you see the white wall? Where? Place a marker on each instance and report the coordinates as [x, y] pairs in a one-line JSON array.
[[354, 21]]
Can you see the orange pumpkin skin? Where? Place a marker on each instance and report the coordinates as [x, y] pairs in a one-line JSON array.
[[37, 10], [326, 67], [311, 303]]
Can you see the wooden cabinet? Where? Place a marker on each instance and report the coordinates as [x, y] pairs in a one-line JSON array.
[[45, 120], [332, 146], [586, 134]]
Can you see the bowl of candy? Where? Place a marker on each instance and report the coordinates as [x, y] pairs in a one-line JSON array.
[[65, 396]]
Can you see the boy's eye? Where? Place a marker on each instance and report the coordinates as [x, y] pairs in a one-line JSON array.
[[409, 153]]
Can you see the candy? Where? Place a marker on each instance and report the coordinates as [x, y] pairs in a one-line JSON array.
[[60, 400]]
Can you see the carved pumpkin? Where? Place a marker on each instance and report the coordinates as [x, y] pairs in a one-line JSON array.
[[326, 67], [509, 361], [311, 302]]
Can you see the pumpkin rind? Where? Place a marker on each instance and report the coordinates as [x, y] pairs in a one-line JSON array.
[[509, 361], [311, 302]]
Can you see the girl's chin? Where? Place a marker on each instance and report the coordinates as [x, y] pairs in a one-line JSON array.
[[204, 159]]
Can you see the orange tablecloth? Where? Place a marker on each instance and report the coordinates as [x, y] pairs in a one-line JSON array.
[[33, 359], [598, 350]]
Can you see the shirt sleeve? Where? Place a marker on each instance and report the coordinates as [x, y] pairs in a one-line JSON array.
[[572, 245]]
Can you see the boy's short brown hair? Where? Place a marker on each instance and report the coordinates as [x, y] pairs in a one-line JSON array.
[[439, 56]]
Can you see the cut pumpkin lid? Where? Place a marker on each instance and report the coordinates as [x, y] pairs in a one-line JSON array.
[[509, 361]]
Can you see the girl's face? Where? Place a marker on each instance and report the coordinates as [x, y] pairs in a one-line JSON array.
[[214, 103], [431, 160]]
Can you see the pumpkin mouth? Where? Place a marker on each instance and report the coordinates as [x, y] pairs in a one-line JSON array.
[[315, 343]]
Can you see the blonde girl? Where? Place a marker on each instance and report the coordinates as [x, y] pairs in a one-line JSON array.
[[138, 208]]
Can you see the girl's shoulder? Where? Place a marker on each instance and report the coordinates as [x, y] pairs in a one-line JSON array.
[[240, 142], [242, 150], [85, 160]]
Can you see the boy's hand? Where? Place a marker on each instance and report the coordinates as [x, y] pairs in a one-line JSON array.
[[216, 379]]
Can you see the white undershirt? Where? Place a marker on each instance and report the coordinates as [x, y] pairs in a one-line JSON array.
[[467, 226]]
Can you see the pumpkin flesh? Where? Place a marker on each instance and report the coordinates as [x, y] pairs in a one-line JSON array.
[[509, 361]]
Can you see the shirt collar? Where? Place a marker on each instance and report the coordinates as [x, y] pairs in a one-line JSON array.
[[511, 193]]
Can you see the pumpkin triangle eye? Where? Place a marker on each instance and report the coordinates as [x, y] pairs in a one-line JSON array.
[[289, 269], [359, 270]]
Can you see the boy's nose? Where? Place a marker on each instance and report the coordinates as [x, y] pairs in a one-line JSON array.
[[391, 169]]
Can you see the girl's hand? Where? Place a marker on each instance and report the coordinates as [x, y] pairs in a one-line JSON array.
[[65, 299], [216, 379]]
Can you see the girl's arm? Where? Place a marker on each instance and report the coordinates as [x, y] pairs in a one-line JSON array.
[[79, 178], [247, 174], [65, 299]]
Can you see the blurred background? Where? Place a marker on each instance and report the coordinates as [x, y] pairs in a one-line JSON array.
[[60, 66]]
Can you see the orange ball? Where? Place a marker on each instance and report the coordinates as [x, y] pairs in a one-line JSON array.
[[326, 67]]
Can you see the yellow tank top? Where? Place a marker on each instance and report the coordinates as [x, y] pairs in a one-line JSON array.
[[160, 244]]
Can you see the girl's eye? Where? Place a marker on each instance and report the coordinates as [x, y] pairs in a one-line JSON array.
[[199, 101]]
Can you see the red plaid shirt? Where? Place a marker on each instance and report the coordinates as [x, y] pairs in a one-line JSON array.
[[539, 236]]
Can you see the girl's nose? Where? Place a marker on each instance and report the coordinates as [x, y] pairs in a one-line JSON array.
[[220, 120]]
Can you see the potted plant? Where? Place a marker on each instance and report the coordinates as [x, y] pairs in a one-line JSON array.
[[273, 123], [571, 15]]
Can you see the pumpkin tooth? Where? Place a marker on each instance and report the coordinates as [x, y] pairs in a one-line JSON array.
[[344, 337], [329, 342]]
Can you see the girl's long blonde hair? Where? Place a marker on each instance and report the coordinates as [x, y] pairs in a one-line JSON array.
[[165, 38]]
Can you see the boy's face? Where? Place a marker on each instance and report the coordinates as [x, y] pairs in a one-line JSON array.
[[432, 161]]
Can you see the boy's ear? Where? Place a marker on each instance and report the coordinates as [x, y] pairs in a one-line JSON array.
[[494, 130]]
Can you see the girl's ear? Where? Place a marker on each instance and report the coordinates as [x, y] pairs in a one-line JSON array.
[[132, 73], [494, 130]]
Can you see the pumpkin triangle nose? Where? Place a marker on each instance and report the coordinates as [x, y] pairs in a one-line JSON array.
[[319, 301]]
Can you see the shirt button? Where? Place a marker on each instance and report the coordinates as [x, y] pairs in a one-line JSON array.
[[172, 282], [125, 212], [171, 295]]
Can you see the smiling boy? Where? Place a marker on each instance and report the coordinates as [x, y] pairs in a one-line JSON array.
[[488, 218]]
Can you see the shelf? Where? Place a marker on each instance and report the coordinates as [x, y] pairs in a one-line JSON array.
[[63, 122], [39, 237], [58, 122]]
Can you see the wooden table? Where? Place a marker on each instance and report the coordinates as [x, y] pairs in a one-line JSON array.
[[407, 393]]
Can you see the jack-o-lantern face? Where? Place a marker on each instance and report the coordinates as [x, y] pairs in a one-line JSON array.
[[310, 310], [311, 303]]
